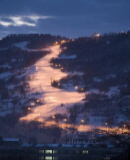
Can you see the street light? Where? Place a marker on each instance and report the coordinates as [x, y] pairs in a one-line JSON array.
[[56, 43], [82, 89], [123, 128], [30, 111], [65, 120], [82, 120], [53, 117], [76, 87], [38, 100]]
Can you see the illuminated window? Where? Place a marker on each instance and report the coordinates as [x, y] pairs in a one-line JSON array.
[[55, 151], [41, 151], [48, 158], [48, 151], [85, 152]]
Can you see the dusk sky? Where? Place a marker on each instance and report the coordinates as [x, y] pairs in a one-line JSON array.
[[71, 18]]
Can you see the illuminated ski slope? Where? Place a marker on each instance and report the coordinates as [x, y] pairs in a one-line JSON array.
[[53, 97]]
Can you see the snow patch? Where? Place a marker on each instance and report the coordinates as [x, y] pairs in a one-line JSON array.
[[5, 66], [97, 79], [22, 45], [4, 75], [67, 57], [76, 73], [113, 91]]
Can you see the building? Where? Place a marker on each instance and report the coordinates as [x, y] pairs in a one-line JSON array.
[[13, 149], [44, 152]]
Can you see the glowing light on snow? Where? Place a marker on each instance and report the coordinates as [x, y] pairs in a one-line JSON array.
[[55, 100]]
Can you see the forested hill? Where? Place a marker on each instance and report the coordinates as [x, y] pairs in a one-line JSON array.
[[35, 41], [18, 54], [103, 60]]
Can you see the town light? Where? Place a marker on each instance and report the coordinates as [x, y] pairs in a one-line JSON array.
[[29, 108], [53, 117], [82, 120], [82, 89], [32, 104], [76, 87], [38, 100], [63, 41], [65, 120], [97, 35]]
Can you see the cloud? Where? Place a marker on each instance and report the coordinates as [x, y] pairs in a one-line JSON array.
[[36, 17], [21, 20], [4, 23], [73, 17]]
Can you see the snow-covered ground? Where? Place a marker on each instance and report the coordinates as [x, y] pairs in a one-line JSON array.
[[53, 97], [4, 75], [113, 91], [67, 57], [76, 73], [22, 45]]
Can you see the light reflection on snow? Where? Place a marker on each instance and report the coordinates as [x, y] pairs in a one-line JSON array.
[[53, 97]]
